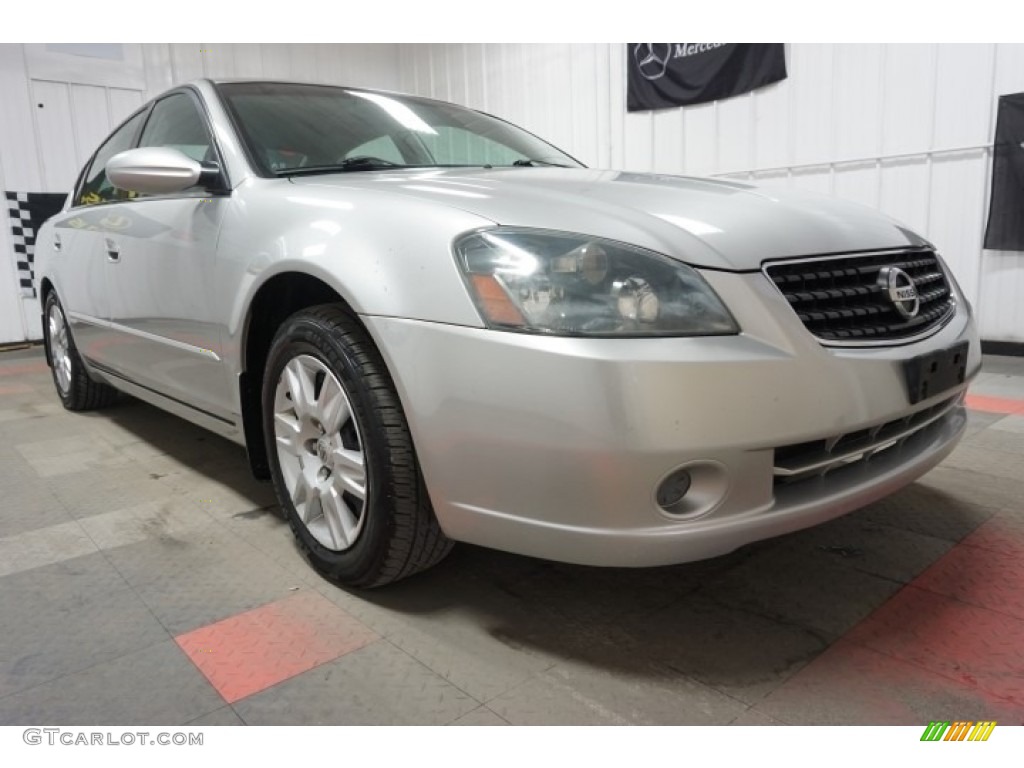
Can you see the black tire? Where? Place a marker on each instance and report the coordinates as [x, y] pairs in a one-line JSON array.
[[399, 534], [81, 393]]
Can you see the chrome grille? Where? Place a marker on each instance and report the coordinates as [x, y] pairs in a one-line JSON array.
[[839, 298]]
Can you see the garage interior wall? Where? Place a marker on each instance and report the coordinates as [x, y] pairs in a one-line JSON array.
[[906, 129], [60, 101], [903, 128]]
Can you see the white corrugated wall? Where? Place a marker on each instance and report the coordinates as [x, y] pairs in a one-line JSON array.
[[57, 105], [904, 128]]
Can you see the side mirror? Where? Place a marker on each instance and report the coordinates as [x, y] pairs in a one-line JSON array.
[[155, 171]]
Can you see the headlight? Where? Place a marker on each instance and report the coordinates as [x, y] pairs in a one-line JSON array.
[[552, 282]]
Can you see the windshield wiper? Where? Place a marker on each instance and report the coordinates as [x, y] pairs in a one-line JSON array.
[[532, 161], [365, 163], [348, 165]]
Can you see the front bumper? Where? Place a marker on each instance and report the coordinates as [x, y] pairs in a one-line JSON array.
[[554, 447]]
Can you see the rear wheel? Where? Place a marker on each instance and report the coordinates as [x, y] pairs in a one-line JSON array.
[[76, 390], [341, 454]]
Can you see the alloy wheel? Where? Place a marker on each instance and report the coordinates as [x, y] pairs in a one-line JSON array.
[[320, 450], [59, 352]]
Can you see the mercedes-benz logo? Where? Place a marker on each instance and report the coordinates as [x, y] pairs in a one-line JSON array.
[[900, 288], [652, 59]]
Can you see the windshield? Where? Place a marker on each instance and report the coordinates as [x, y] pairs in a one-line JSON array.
[[295, 128]]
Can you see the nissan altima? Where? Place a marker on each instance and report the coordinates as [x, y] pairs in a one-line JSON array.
[[427, 325]]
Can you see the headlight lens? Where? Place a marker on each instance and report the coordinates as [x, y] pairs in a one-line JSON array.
[[550, 282]]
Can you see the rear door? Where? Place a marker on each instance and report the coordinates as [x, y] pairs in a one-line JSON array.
[[160, 255]]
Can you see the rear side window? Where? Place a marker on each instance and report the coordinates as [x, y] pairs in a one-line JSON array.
[[96, 188]]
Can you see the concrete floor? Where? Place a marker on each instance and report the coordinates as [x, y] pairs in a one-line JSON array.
[[145, 579]]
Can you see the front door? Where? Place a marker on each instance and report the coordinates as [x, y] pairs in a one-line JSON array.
[[160, 255], [80, 271]]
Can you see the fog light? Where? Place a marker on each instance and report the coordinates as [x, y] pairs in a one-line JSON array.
[[672, 490]]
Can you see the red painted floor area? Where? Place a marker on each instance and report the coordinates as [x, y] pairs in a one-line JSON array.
[[20, 369], [990, 577], [15, 389], [920, 657], [850, 684], [990, 404], [952, 635], [961, 641], [252, 651]]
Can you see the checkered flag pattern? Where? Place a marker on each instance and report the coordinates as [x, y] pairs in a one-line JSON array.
[[27, 212]]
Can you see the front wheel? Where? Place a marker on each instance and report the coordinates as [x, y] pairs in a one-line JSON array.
[[341, 455]]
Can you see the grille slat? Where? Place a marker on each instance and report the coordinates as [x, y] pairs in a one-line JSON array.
[[839, 298], [802, 461]]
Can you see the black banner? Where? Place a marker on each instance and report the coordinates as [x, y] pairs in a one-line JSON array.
[[1005, 231], [662, 75]]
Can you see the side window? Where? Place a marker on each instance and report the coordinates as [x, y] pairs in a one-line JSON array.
[[382, 147], [451, 145], [96, 188], [175, 122]]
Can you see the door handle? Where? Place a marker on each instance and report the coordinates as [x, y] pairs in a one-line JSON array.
[[56, 242], [113, 251]]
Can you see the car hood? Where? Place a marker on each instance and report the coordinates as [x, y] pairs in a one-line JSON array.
[[706, 222]]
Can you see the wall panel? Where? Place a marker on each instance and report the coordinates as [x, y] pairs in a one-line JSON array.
[[55, 132], [669, 141], [904, 191], [812, 105], [248, 60], [908, 118], [186, 61], [956, 228], [700, 135], [276, 61], [90, 119], [218, 61], [859, 87], [116, 64], [857, 182], [638, 150], [773, 139], [122, 102], [19, 155], [302, 63], [812, 179], [158, 69], [963, 95], [735, 121], [1000, 309]]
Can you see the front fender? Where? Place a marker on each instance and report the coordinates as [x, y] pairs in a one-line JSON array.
[[383, 254]]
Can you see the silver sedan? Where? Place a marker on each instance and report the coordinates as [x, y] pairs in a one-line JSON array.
[[427, 325]]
